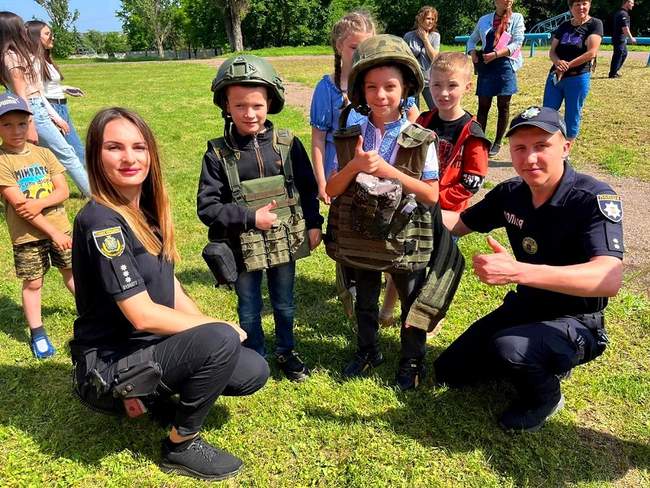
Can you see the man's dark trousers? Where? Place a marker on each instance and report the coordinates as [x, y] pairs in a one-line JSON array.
[[618, 57]]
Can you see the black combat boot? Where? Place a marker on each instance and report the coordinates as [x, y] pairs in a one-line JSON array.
[[198, 459], [362, 363], [410, 374]]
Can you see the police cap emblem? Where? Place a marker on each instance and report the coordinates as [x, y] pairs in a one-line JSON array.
[[529, 245], [610, 206], [109, 242], [530, 112]]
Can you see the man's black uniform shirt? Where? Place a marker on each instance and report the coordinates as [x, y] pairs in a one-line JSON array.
[[581, 220], [110, 264], [621, 19]]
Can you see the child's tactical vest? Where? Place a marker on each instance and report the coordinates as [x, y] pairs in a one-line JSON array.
[[395, 240], [287, 241]]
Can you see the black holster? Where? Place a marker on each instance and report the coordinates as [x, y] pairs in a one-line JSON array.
[[108, 383]]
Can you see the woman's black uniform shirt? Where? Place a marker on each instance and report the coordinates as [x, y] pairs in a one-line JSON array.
[[110, 264]]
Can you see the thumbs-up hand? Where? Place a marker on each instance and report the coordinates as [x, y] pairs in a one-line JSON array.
[[365, 161], [264, 217], [499, 268]]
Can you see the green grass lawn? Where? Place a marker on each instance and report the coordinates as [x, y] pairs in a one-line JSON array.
[[325, 432]]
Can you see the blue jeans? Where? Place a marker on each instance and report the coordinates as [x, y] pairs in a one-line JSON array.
[[573, 90], [50, 137], [280, 282], [72, 138]]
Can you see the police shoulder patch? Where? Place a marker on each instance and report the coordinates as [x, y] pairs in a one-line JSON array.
[[610, 206], [110, 241]]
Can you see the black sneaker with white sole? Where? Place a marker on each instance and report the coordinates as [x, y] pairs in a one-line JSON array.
[[292, 366], [199, 459]]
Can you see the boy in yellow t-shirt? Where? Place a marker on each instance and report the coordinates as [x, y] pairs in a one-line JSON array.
[[33, 189]]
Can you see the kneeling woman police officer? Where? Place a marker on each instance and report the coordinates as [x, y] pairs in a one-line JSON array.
[[139, 339]]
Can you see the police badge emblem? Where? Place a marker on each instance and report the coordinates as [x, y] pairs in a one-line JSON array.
[[530, 112], [529, 245], [610, 206], [109, 242]]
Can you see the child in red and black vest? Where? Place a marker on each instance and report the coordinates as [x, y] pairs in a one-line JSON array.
[[462, 147]]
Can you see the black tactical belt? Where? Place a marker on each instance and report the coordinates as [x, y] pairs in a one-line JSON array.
[[60, 101]]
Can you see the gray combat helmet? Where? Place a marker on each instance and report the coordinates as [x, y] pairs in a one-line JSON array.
[[382, 50], [247, 69]]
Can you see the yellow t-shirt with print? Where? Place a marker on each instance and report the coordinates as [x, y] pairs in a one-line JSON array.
[[31, 171]]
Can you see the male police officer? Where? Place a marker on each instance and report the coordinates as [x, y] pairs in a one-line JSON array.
[[565, 231]]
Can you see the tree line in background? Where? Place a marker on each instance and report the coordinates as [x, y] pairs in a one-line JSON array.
[[242, 24]]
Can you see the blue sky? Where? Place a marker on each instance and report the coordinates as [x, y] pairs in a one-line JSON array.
[[93, 14]]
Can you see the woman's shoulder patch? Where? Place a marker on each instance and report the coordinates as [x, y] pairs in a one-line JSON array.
[[110, 241]]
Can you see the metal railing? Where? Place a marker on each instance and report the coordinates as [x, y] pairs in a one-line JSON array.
[[535, 39]]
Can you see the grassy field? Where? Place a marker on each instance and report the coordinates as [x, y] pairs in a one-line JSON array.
[[328, 432]]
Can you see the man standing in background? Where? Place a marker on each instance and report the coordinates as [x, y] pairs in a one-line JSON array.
[[620, 35]]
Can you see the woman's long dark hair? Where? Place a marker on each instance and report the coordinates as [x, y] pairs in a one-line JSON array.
[[13, 37], [151, 221], [34, 28]]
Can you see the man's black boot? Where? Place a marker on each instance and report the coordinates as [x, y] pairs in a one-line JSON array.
[[530, 419], [198, 459]]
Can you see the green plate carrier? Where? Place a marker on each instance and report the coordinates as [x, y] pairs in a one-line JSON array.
[[424, 242], [406, 250], [287, 241]]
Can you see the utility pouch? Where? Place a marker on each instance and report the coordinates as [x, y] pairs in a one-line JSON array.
[[595, 322], [221, 261], [345, 141]]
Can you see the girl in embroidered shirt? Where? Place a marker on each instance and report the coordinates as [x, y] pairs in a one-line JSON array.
[[380, 85]]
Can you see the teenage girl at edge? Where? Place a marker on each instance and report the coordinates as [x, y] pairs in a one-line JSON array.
[[20, 73]]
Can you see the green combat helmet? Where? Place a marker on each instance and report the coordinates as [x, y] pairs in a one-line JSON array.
[[382, 50], [247, 69]]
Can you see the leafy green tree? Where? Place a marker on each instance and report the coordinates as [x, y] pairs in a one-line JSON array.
[[287, 23], [94, 40], [115, 42], [149, 20], [62, 22], [203, 24]]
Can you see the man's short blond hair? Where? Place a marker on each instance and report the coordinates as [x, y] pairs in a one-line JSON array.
[[453, 62]]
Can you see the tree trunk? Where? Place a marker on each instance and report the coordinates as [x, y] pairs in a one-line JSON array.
[[161, 51], [237, 41]]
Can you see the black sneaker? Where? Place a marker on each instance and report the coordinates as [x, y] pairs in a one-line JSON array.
[[519, 419], [362, 363], [200, 460], [494, 149], [292, 366], [410, 374]]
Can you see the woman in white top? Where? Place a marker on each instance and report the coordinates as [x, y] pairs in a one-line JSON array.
[[41, 34], [21, 74]]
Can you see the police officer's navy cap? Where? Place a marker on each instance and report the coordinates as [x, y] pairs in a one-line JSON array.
[[544, 118], [12, 103]]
